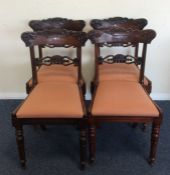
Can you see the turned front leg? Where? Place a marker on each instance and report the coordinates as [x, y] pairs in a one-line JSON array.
[[92, 143], [83, 146], [20, 144], [154, 140]]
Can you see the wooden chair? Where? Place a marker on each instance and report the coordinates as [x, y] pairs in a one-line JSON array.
[[52, 102], [120, 71], [122, 101], [66, 73]]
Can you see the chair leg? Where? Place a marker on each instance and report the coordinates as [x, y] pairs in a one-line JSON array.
[[83, 146], [84, 89], [20, 144], [92, 143], [92, 87], [154, 140]]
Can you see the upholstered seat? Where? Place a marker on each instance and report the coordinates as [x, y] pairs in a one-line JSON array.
[[119, 72], [52, 100], [56, 73], [122, 99]]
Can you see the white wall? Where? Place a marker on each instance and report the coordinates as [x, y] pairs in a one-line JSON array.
[[14, 16]]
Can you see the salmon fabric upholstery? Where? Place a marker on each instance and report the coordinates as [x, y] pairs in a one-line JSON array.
[[119, 72], [55, 73], [52, 100], [122, 99]]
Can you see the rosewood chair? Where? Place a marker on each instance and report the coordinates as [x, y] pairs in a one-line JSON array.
[[52, 102], [122, 101], [120, 71], [61, 73]]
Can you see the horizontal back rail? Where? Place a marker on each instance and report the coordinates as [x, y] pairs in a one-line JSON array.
[[118, 22], [57, 23]]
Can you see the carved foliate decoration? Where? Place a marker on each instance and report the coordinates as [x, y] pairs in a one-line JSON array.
[[117, 44], [119, 58], [118, 22], [121, 36], [58, 37], [28, 37], [56, 59], [57, 23], [53, 46]]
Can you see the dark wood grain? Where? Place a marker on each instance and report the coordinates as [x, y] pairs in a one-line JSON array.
[[118, 22], [58, 37], [121, 36], [57, 23]]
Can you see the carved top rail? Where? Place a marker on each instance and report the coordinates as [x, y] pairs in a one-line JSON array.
[[55, 38], [119, 22], [121, 37], [56, 23]]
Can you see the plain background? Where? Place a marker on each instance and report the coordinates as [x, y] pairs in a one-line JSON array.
[[15, 67]]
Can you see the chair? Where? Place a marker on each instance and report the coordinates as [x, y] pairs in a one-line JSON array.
[[58, 72], [122, 101], [52, 102], [120, 71]]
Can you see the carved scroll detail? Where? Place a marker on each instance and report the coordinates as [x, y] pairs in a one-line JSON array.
[[53, 46], [56, 23], [119, 58], [54, 37], [121, 36], [115, 44], [56, 59], [127, 23]]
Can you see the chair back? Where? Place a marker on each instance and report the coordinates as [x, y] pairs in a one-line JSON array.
[[121, 38], [56, 23], [120, 22], [52, 39]]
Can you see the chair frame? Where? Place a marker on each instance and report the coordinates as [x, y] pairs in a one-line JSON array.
[[118, 37], [53, 38], [51, 24], [123, 23]]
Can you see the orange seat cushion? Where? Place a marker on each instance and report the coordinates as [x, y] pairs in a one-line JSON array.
[[119, 72], [56, 73], [52, 100], [122, 99]]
